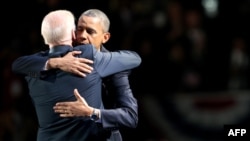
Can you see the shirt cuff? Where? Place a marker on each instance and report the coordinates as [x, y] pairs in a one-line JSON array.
[[46, 66]]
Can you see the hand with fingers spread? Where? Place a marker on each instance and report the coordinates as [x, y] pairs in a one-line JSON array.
[[74, 108], [72, 64]]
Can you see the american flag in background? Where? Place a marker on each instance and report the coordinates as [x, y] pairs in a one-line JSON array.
[[202, 116]]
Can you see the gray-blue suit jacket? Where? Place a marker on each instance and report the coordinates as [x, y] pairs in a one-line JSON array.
[[49, 87]]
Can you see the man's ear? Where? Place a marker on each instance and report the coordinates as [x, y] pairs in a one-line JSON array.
[[73, 35], [106, 37]]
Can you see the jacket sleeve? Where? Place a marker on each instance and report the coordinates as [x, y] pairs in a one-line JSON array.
[[125, 112], [107, 63], [30, 63]]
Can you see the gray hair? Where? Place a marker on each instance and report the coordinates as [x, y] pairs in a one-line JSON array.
[[57, 27], [100, 15]]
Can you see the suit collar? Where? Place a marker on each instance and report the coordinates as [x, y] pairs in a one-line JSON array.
[[59, 51]]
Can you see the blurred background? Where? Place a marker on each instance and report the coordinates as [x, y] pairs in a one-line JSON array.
[[194, 76]]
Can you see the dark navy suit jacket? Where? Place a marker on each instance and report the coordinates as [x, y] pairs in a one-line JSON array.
[[47, 88]]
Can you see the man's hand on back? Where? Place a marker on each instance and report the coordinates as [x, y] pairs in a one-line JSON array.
[[74, 108], [70, 63]]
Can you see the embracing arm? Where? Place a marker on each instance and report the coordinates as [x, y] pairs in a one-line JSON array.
[[107, 63], [30, 63], [125, 114], [126, 110], [39, 62]]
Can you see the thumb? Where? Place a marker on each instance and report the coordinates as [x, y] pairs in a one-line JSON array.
[[79, 97]]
